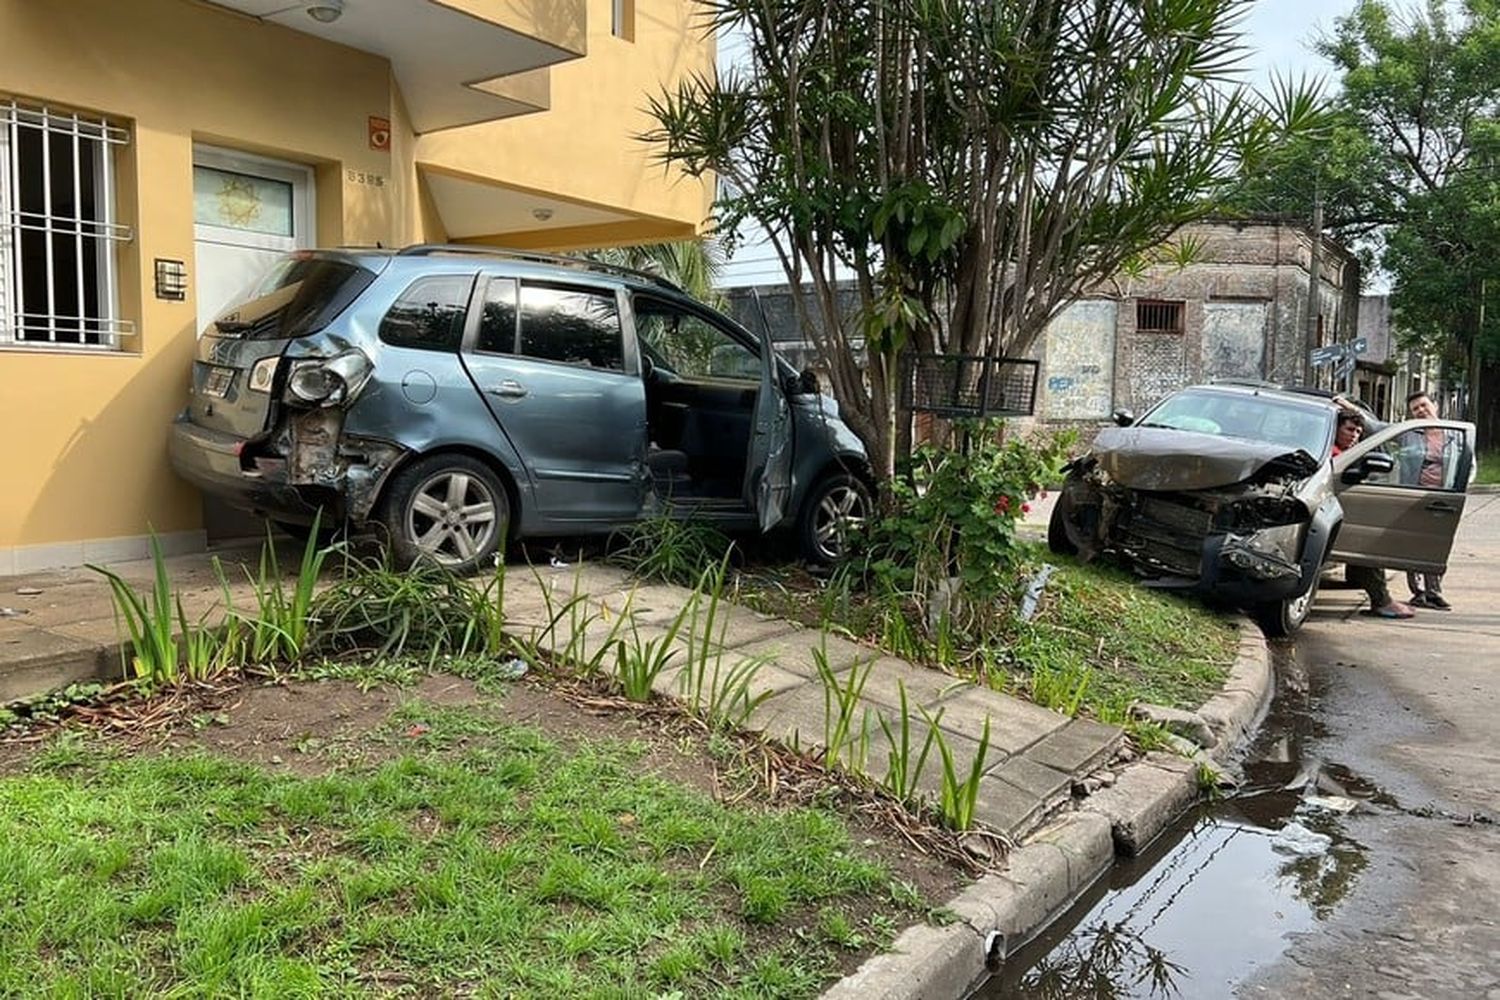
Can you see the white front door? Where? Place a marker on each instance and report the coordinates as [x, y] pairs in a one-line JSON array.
[[247, 211]]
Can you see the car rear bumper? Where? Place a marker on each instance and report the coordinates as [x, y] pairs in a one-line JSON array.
[[211, 461]]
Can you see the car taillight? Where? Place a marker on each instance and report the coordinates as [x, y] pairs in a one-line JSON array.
[[331, 381], [263, 373]]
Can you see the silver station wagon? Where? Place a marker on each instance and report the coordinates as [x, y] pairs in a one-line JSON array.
[[452, 398]]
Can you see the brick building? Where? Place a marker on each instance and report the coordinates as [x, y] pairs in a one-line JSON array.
[[1239, 310]]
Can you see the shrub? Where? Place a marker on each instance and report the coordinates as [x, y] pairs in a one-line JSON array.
[[954, 511]]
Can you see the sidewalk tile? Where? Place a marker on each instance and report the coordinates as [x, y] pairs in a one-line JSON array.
[[1034, 779], [923, 686], [794, 651], [1004, 807], [1014, 724], [1077, 748]]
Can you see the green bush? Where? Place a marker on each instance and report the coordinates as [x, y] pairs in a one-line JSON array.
[[953, 512]]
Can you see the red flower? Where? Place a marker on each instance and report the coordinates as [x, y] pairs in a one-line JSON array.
[[1002, 506], [1026, 508]]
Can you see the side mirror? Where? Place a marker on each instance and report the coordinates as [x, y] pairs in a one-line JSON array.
[[1376, 462], [1124, 418], [807, 382]]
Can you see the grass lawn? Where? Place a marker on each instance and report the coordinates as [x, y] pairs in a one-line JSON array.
[[1489, 468], [319, 840], [1098, 641]]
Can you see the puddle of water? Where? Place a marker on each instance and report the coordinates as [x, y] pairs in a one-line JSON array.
[[1216, 895]]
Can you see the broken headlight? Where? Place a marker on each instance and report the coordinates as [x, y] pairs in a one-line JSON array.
[[328, 381], [1265, 512]]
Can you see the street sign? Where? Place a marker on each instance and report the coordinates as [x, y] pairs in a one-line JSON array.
[[1327, 355], [1361, 345]]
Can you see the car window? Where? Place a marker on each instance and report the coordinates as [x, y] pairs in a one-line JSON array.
[[301, 294], [1256, 418], [686, 344], [429, 315], [1426, 458], [497, 317], [571, 325]]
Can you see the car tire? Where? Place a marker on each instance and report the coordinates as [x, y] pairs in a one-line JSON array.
[[447, 509], [1057, 529], [1281, 619], [836, 505]]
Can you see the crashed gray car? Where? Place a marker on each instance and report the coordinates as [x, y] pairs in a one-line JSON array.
[[452, 398], [1234, 491]]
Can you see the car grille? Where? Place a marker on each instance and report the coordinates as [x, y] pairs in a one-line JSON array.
[[1189, 520], [1165, 534]]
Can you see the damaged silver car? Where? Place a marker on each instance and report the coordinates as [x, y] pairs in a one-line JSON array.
[[453, 398], [1235, 490]]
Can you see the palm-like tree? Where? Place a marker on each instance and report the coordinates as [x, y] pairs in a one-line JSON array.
[[692, 265]]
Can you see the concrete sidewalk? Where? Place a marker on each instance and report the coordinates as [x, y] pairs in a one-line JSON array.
[[60, 628]]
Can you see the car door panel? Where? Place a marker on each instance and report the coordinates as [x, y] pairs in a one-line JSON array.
[[1397, 520], [579, 430]]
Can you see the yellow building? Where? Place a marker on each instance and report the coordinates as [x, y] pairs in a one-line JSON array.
[[155, 153]]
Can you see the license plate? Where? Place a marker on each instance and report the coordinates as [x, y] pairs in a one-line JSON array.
[[218, 382]]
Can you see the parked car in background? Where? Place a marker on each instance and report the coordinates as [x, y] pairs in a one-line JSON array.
[[455, 397], [1233, 490]]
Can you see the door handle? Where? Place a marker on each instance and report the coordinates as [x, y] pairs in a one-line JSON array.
[[1443, 507], [510, 389]]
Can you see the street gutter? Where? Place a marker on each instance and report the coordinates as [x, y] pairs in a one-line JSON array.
[[1000, 913]]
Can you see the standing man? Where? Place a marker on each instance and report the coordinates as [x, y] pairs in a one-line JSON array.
[[1427, 588]]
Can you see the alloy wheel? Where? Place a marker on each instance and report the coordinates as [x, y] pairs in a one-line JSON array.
[[840, 512], [451, 517]]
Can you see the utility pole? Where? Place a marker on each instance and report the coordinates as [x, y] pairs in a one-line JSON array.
[[1474, 358], [1314, 280]]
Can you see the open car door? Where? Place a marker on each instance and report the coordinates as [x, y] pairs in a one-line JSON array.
[[1403, 490], [768, 471]]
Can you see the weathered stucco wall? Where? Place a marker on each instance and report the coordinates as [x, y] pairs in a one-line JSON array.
[[1078, 370], [1244, 315]]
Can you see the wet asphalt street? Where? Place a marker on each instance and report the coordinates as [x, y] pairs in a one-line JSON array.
[[1270, 892], [1407, 714]]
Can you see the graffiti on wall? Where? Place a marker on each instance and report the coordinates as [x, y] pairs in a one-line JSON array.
[[1078, 383]]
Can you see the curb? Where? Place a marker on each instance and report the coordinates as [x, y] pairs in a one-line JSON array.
[[999, 913]]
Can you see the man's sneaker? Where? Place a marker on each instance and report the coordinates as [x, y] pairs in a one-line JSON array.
[[1436, 602]]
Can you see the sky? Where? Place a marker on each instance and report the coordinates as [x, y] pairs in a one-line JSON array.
[[1278, 35]]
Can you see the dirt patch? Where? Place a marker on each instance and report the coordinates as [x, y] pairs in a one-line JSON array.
[[281, 724]]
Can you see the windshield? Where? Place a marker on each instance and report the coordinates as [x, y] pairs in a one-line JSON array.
[[1251, 416], [301, 294]]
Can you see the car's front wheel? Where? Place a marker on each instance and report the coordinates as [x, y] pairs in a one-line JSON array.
[[1057, 528], [1280, 619], [449, 509], [836, 508]]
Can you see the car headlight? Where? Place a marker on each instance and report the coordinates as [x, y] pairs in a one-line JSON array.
[[328, 381]]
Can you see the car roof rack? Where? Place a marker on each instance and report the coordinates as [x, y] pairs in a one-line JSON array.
[[534, 257]]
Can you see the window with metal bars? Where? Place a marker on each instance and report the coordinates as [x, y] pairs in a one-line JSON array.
[[1157, 316], [58, 234]]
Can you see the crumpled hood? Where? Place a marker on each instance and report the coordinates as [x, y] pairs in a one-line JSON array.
[[1157, 458]]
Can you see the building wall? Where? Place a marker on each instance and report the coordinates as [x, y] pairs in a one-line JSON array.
[[86, 469], [589, 127], [1244, 315]]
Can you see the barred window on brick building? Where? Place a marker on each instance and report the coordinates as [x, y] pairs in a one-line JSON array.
[[58, 234], [1157, 316]]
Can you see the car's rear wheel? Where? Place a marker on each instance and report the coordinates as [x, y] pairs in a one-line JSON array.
[[1280, 619], [449, 509], [836, 508]]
